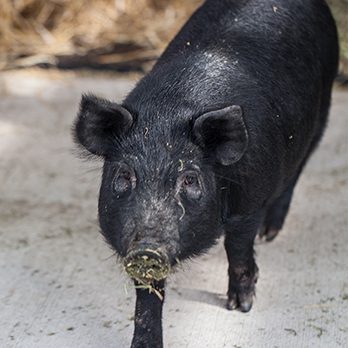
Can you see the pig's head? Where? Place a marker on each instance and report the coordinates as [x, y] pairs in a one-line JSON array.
[[160, 198]]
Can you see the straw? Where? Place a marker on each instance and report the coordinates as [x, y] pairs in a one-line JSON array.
[[42, 29]]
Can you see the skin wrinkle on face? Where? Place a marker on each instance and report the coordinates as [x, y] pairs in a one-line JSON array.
[[157, 210]]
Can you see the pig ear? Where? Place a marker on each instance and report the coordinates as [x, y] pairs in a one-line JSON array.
[[224, 132], [98, 123]]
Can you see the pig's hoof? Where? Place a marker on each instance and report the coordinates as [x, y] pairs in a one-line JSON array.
[[241, 302], [268, 233], [241, 290]]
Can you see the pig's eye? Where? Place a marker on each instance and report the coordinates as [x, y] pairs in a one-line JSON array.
[[190, 180], [190, 185], [123, 182]]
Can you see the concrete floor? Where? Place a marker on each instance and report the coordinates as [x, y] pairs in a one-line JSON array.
[[61, 286]]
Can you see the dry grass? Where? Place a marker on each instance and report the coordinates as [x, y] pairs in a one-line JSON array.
[[340, 11], [43, 28], [37, 31]]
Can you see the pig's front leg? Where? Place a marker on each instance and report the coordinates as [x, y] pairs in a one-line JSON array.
[[148, 317], [242, 270]]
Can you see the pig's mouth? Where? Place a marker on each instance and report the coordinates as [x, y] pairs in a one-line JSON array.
[[147, 266]]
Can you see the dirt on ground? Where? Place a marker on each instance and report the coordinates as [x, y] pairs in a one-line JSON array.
[[61, 286]]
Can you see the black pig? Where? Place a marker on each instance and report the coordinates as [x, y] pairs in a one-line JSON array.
[[212, 142]]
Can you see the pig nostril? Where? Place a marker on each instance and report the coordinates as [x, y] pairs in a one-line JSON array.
[[147, 265], [138, 237]]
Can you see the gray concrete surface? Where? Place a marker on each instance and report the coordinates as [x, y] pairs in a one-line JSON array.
[[61, 286]]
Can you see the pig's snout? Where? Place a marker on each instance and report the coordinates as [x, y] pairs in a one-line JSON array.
[[147, 265]]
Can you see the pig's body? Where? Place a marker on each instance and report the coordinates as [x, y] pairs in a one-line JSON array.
[[212, 140], [277, 59]]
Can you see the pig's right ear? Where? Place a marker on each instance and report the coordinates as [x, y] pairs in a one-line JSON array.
[[99, 122], [224, 133]]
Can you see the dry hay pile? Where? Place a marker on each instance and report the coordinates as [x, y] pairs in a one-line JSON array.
[[340, 11], [36, 31], [116, 34]]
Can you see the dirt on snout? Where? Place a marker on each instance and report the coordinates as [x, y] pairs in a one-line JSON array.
[[148, 267]]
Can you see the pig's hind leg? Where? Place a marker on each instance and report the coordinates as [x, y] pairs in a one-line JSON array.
[[276, 215], [277, 212], [242, 270]]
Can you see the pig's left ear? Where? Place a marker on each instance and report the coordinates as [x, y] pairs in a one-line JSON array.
[[224, 132], [98, 123]]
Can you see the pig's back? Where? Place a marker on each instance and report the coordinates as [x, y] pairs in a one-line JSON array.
[[283, 44], [277, 59], [275, 53]]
